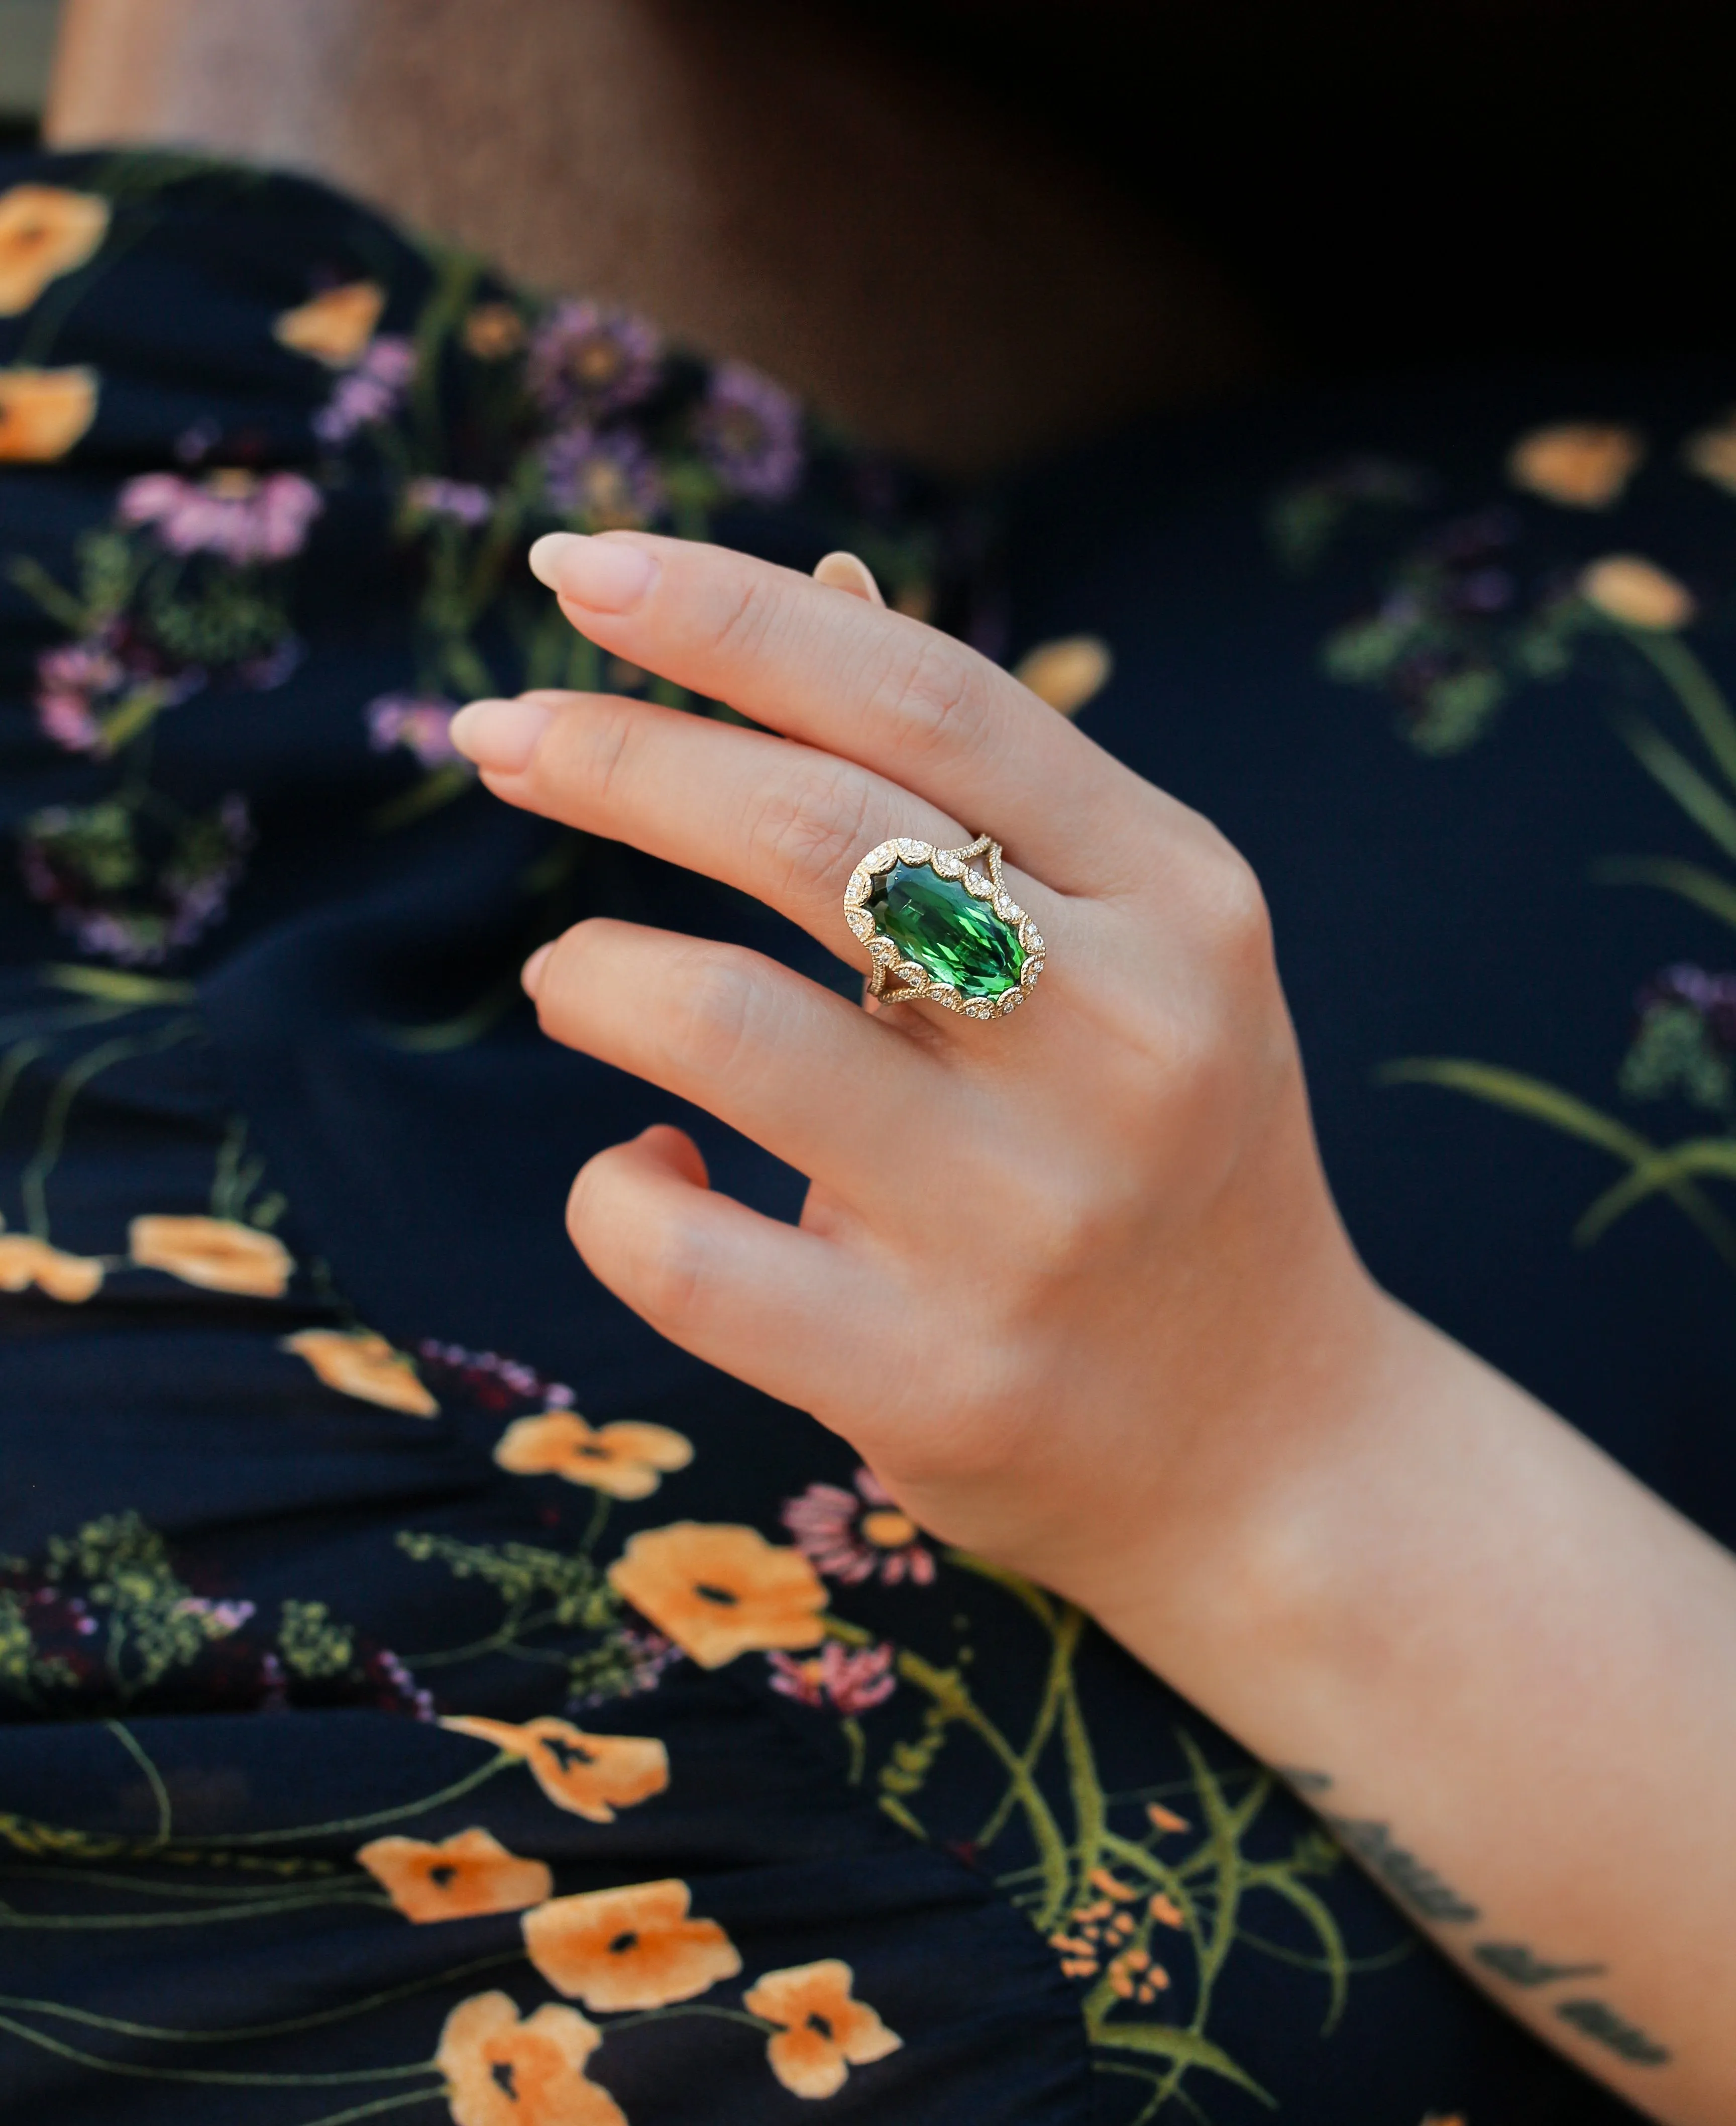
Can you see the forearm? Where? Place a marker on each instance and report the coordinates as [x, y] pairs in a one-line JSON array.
[[1505, 1675]]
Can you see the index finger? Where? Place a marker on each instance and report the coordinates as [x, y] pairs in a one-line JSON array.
[[871, 686]]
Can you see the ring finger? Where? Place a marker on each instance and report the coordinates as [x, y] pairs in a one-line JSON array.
[[781, 821]]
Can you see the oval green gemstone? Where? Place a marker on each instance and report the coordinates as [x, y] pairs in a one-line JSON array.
[[951, 937]]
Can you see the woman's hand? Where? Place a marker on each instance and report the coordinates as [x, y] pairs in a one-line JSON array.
[[1069, 1280], [1073, 1283]]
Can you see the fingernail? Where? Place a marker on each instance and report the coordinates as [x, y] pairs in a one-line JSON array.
[[532, 972], [843, 571], [500, 735], [606, 575]]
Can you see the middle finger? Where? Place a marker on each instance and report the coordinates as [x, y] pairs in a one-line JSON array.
[[781, 821]]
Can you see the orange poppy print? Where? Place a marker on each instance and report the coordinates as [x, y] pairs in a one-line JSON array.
[[635, 1948], [335, 326], [492, 331], [357, 1363], [218, 1254], [501, 2071], [1066, 673], [1637, 593], [627, 1461], [592, 1775], [44, 412], [462, 1877], [718, 1590], [26, 1261], [44, 231], [825, 2032], [1712, 454], [1582, 465]]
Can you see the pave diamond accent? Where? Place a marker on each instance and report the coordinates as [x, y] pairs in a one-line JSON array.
[[920, 912]]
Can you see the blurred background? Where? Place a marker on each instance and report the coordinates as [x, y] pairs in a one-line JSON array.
[[1392, 186], [26, 43]]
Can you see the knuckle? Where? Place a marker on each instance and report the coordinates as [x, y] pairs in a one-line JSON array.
[[717, 1014], [744, 616], [669, 1277], [597, 751], [657, 1264], [937, 694], [1233, 911], [801, 837]]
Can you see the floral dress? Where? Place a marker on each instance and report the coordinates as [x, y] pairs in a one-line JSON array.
[[423, 1690]]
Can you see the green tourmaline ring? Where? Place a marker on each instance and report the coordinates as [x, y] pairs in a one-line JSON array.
[[938, 927]]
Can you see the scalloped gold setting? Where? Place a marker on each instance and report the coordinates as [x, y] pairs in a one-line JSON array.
[[892, 978]]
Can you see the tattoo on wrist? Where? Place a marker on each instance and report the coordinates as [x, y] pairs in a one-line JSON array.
[[1403, 1873], [1601, 2023], [1520, 1966], [1431, 1898]]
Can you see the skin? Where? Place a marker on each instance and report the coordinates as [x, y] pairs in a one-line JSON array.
[[1074, 1285], [769, 180]]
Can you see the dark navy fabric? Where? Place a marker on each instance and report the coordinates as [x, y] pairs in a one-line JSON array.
[[317, 1435]]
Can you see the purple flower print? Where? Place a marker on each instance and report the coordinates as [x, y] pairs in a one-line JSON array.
[[751, 433], [1713, 997], [420, 725], [119, 891], [457, 500], [586, 360], [611, 481], [245, 517], [370, 393]]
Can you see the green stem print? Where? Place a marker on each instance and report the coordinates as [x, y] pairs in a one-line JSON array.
[[1671, 1051], [1147, 1919]]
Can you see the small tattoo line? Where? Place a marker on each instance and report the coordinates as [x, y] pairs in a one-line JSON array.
[[1419, 1886], [1520, 1966], [1596, 2021]]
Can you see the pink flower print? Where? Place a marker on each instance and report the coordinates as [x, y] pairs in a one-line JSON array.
[[610, 481], [243, 517], [853, 1535], [219, 1620], [751, 431], [69, 680], [370, 393], [81, 685], [847, 1682], [586, 359], [458, 500], [421, 726]]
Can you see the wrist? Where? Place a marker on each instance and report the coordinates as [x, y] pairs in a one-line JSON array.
[[1295, 1517]]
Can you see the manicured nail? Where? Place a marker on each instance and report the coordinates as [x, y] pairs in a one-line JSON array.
[[604, 575], [531, 975], [500, 735], [844, 571]]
